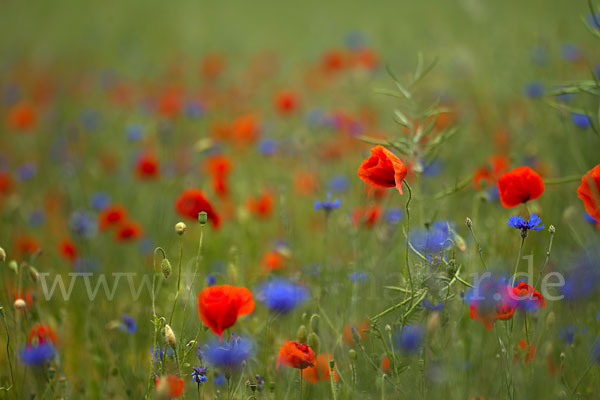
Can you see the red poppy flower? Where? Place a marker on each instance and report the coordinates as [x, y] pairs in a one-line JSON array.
[[519, 186], [67, 250], [368, 216], [385, 364], [262, 206], [245, 129], [589, 192], [212, 65], [365, 58], [333, 61], [21, 117], [111, 216], [42, 333], [490, 172], [7, 183], [147, 166], [220, 306], [296, 355], [191, 202], [220, 167], [383, 169], [273, 260], [305, 182], [128, 231], [286, 102], [169, 387], [320, 371], [360, 329], [26, 245], [170, 103], [529, 350], [526, 293]]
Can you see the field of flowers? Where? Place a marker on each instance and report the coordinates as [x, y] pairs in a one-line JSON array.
[[260, 200]]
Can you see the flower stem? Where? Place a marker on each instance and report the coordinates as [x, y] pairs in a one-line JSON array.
[[196, 266], [410, 280], [565, 179], [178, 279]]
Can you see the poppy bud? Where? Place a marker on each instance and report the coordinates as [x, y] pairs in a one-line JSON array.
[[14, 266], [314, 342], [165, 267], [2, 255], [170, 337], [180, 228], [33, 274], [552, 229], [352, 354], [388, 328], [314, 323], [469, 222], [302, 334], [202, 217], [20, 304]]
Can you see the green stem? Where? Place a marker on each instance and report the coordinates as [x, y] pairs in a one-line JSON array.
[[12, 378], [332, 380], [196, 266], [523, 236], [178, 279], [412, 288], [565, 179]]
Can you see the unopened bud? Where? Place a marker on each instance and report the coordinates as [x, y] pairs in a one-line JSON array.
[[165, 267], [20, 304], [331, 365], [352, 354], [33, 274], [468, 222], [313, 342], [170, 337], [302, 334], [14, 266], [2, 255], [202, 217], [552, 229], [388, 328], [180, 228], [314, 323]]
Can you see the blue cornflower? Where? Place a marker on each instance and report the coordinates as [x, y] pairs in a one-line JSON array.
[[584, 279], [83, 224], [394, 216], [129, 325], [210, 280], [427, 304], [590, 219], [593, 20], [90, 120], [99, 201], [134, 132], [433, 240], [492, 194], [410, 338], [219, 379], [434, 168], [338, 184], [282, 296], [37, 218], [159, 354], [199, 375], [267, 147], [229, 354], [327, 204], [582, 121], [358, 276], [195, 109], [567, 334], [534, 90], [26, 171], [37, 355], [519, 222], [570, 52]]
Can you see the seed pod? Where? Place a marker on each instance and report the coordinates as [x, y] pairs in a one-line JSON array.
[[202, 217], [20, 304], [180, 228], [352, 354], [314, 323]]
